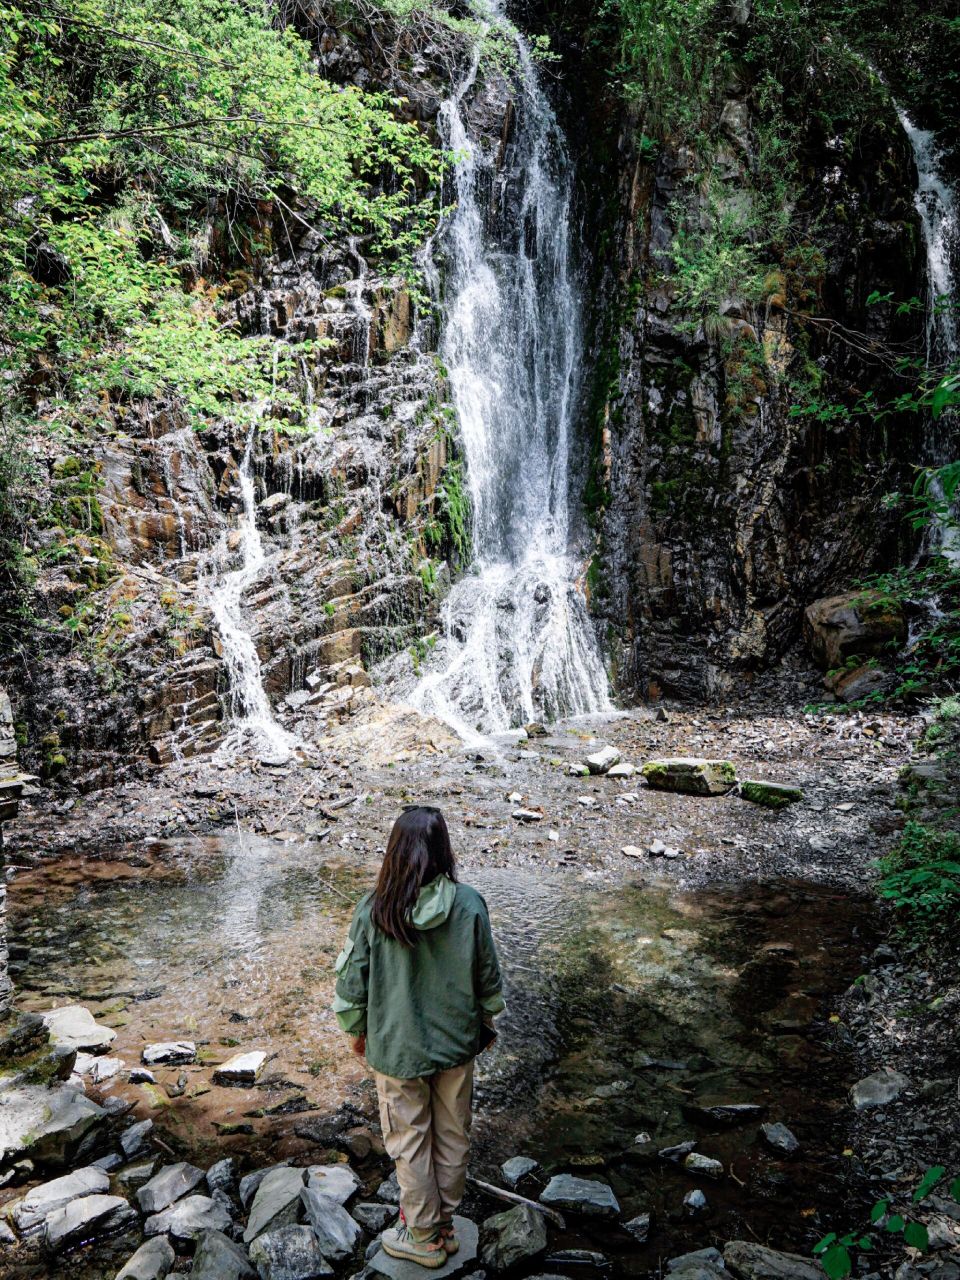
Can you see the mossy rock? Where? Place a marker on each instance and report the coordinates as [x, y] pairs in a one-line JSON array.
[[690, 775], [772, 795]]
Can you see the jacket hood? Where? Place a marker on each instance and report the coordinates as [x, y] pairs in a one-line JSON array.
[[434, 903]]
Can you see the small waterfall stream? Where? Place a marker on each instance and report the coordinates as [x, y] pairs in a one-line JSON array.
[[519, 644]]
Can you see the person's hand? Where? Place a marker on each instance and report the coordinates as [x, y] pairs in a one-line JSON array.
[[359, 1045]]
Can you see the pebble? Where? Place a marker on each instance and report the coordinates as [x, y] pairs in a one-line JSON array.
[[695, 1203]]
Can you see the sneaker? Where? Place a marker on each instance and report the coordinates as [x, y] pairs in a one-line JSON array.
[[448, 1238], [398, 1242]]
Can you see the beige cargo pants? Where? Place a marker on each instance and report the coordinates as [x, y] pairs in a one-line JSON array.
[[426, 1131]]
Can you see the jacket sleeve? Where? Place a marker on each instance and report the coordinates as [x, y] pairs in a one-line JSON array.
[[487, 980], [353, 969]]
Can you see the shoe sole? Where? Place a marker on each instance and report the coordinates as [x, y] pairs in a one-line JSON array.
[[432, 1263]]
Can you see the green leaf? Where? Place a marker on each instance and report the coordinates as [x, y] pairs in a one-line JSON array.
[[837, 1262], [930, 1178], [865, 1242], [915, 1234], [878, 1210], [954, 1189], [895, 1223], [822, 1245]]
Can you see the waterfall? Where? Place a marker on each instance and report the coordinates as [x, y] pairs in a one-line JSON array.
[[936, 203], [518, 644], [250, 710]]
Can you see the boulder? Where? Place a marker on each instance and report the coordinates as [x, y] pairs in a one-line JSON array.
[[374, 1217], [467, 1234], [74, 1025], [859, 683], [170, 1052], [878, 1090], [188, 1219], [749, 1261], [48, 1124], [338, 1181], [29, 1213], [512, 1237], [92, 1217], [772, 795], [779, 1137], [690, 775], [277, 1202], [219, 1258], [152, 1261], [580, 1195], [858, 624], [172, 1183], [516, 1169], [603, 760], [242, 1068], [335, 1230], [289, 1253]]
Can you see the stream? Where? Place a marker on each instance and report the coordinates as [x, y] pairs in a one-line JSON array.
[[626, 1005]]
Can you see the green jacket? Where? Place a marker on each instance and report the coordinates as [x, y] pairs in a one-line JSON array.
[[421, 1007]]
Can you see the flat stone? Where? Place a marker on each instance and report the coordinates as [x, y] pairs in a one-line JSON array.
[[29, 1213], [188, 1219], [517, 1168], [98, 1069], [772, 795], [92, 1217], [698, 1257], [171, 1052], [251, 1181], [779, 1137], [220, 1258], [242, 1068], [603, 760], [724, 1115], [639, 1227], [878, 1090], [74, 1025], [152, 1261], [580, 1195], [277, 1202], [338, 1181], [172, 1183], [289, 1253], [703, 1165], [133, 1140], [527, 815], [690, 775], [750, 1261], [48, 1124], [512, 1237], [336, 1231], [398, 1269]]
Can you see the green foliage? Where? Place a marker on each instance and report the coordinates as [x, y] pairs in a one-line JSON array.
[[921, 878], [455, 510]]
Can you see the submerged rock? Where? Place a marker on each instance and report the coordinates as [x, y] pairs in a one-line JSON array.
[[28, 1215], [289, 1253], [750, 1261], [512, 1237], [772, 795], [92, 1217], [690, 775], [580, 1195], [878, 1090], [152, 1261], [220, 1258]]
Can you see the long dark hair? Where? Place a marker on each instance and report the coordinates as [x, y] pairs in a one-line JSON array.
[[417, 852]]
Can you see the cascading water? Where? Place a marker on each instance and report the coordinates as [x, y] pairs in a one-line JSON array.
[[252, 716], [936, 203], [518, 643]]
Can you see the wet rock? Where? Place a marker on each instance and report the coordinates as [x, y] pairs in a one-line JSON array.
[[690, 775], [276, 1203], [710, 1258], [152, 1261], [188, 1219], [28, 1214], [134, 1139], [779, 1137], [467, 1234], [221, 1176], [242, 1068], [92, 1217], [172, 1183], [771, 795], [374, 1217], [170, 1052], [289, 1253], [220, 1258], [74, 1025], [724, 1115], [48, 1123], [580, 1195], [703, 1165], [694, 1203], [512, 1237], [336, 1231], [338, 1181], [878, 1090], [603, 760], [858, 624], [639, 1227], [749, 1261], [517, 1168]]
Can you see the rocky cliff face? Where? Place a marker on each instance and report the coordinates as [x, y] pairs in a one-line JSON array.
[[719, 512]]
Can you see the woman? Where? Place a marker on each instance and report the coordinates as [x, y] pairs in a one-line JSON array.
[[418, 986]]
